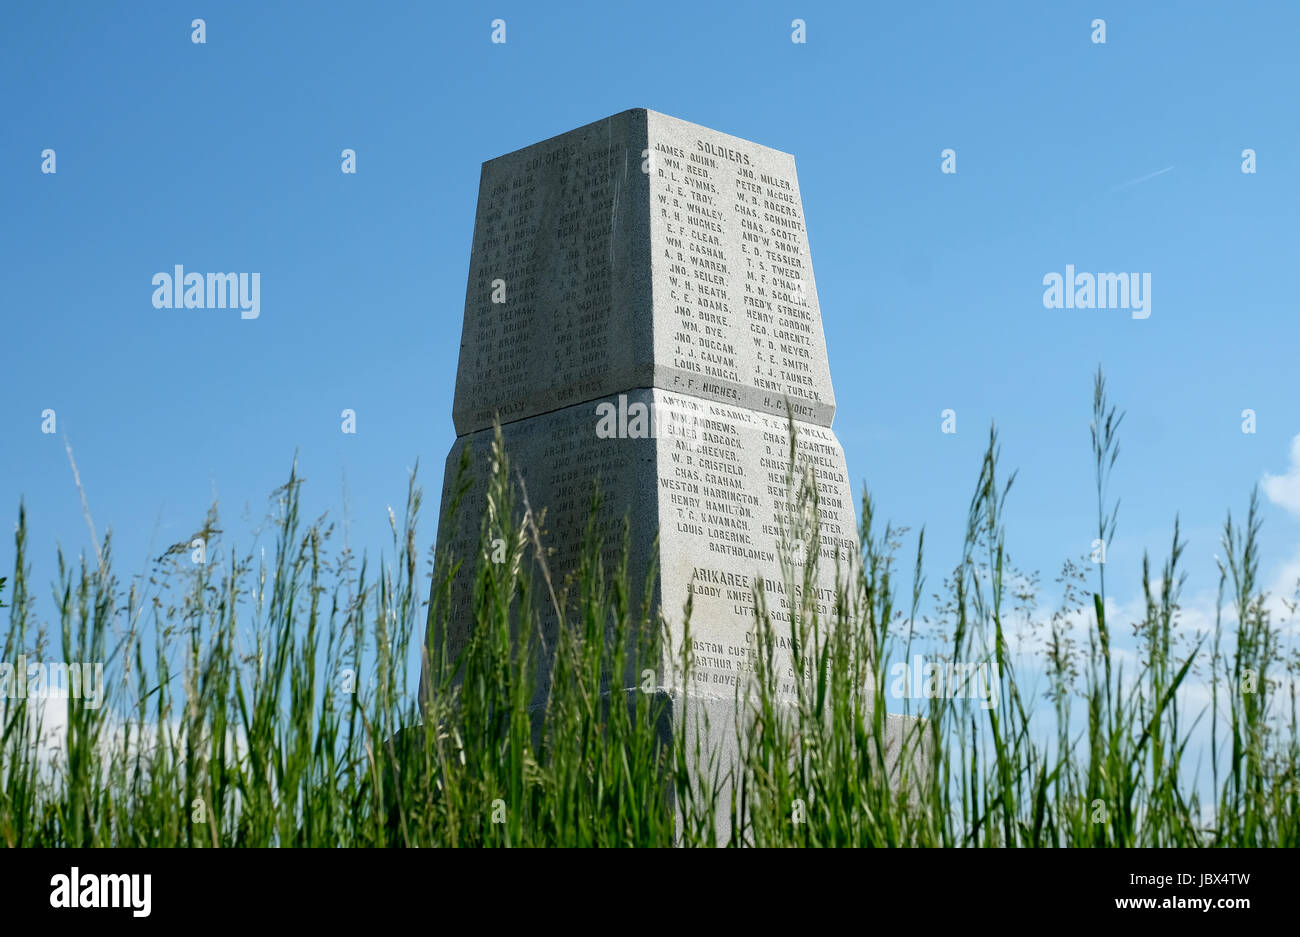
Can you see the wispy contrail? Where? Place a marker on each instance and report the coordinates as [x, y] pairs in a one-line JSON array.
[[1152, 175]]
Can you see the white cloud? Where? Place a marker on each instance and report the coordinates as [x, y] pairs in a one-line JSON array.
[[1284, 490], [1285, 592]]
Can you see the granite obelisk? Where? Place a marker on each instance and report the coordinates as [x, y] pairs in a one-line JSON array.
[[641, 307]]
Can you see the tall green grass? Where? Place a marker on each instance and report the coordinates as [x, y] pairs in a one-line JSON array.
[[268, 700]]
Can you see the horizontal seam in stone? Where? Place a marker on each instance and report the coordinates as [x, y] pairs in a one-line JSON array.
[[633, 390]]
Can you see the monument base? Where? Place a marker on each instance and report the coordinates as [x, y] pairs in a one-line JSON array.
[[722, 738]]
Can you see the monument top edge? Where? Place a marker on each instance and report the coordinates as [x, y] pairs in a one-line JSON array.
[[686, 124]]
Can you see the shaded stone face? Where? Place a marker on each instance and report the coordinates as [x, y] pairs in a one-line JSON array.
[[562, 230], [640, 309]]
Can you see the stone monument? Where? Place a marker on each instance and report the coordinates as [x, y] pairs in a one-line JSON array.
[[641, 307]]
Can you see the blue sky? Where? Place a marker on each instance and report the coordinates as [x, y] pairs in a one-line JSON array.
[[226, 156]]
